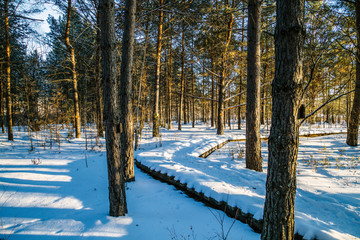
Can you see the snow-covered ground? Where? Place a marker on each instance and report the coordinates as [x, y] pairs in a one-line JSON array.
[[51, 194], [328, 195]]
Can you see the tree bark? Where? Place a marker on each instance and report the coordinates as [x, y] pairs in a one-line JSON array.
[[126, 114], [212, 96], [8, 76], [156, 116], [253, 141], [354, 120], [116, 171], [2, 117], [99, 90], [182, 80], [71, 51], [241, 69], [284, 135], [169, 84], [220, 123], [140, 101]]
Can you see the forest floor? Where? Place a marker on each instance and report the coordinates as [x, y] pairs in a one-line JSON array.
[[59, 191]]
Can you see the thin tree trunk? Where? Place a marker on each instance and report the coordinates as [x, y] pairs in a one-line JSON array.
[[138, 128], [71, 51], [117, 197], [99, 93], [253, 141], [126, 114], [156, 116], [2, 117], [241, 71], [169, 84], [220, 123], [181, 104], [354, 120], [192, 93], [8, 78], [212, 96], [287, 91]]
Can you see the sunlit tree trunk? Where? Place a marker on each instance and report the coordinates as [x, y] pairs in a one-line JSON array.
[[182, 80], [2, 117], [77, 120], [156, 115], [253, 141], [126, 114], [116, 173], [8, 76], [169, 104], [284, 135], [354, 120], [220, 123]]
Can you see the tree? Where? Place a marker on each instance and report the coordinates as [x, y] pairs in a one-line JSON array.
[[354, 121], [2, 116], [253, 140], [126, 116], [77, 121], [8, 73], [117, 197], [156, 115], [284, 135]]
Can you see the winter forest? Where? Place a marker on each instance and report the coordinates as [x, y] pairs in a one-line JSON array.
[[180, 120]]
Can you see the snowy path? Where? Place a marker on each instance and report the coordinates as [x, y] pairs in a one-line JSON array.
[[47, 194], [327, 201]]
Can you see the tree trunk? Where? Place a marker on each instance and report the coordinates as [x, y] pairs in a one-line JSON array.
[[212, 96], [169, 85], [220, 123], [156, 116], [2, 117], [71, 51], [241, 70], [8, 78], [181, 103], [99, 93], [126, 114], [354, 120], [192, 93], [284, 135], [140, 100], [116, 171], [253, 141]]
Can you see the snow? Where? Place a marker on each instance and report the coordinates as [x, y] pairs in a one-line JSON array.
[[327, 201], [51, 194]]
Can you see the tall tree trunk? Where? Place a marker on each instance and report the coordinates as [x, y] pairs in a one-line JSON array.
[[253, 141], [8, 78], [156, 116], [71, 51], [126, 114], [169, 84], [287, 91], [2, 117], [212, 95], [140, 101], [116, 173], [192, 93], [241, 69], [354, 120], [181, 103], [220, 123], [99, 93]]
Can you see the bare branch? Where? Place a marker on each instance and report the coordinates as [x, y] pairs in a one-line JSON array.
[[324, 104]]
